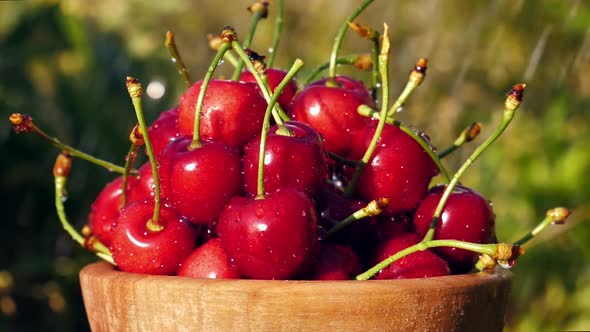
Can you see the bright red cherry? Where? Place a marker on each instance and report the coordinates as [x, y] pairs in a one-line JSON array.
[[420, 264], [290, 161], [332, 111], [137, 249], [399, 169], [275, 237], [335, 262], [105, 209], [232, 112], [199, 182], [467, 216], [275, 76], [208, 261], [164, 130]]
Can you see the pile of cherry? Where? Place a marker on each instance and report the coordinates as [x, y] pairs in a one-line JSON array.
[[321, 186]]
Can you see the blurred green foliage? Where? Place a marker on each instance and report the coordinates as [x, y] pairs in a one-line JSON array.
[[65, 63]]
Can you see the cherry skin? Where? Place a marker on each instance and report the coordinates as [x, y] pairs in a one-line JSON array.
[[332, 111], [106, 208], [208, 261], [467, 216], [164, 130], [201, 181], [137, 249], [275, 237], [290, 161], [399, 169], [420, 264], [335, 262], [143, 185], [232, 113], [274, 77]]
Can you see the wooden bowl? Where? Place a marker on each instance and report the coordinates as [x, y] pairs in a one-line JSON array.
[[119, 301]]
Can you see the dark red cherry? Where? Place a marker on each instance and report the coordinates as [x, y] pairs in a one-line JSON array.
[[275, 237], [164, 130], [200, 182], [137, 249], [335, 262], [399, 169], [275, 76], [332, 111], [467, 216], [290, 161], [232, 112], [208, 261], [105, 209], [420, 264]]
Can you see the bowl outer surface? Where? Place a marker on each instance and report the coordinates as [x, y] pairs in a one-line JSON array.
[[119, 301]]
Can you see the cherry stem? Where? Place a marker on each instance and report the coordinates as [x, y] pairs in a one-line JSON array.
[[18, 119], [384, 72], [414, 80], [61, 171], [175, 57], [342, 160], [512, 103], [278, 113], [297, 65], [487, 249], [556, 216], [257, 14], [136, 139], [374, 208], [346, 60], [277, 34], [367, 111], [135, 92], [467, 135], [200, 99], [340, 36]]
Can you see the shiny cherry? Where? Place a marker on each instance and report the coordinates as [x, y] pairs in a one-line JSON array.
[[420, 264], [232, 112], [138, 249], [467, 216], [296, 161], [335, 262], [164, 130], [274, 237], [208, 261], [275, 76]]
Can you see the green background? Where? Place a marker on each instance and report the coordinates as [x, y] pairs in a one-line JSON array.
[[65, 63]]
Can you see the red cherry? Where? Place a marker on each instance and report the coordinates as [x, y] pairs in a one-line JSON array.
[[467, 216], [275, 237], [164, 130], [201, 181], [332, 111], [105, 209], [399, 169], [290, 161], [137, 249], [232, 112], [335, 262], [208, 261], [275, 76], [420, 264], [143, 185]]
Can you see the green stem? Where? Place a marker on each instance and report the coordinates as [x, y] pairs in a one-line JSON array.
[[467, 135], [488, 249], [340, 36], [297, 65], [278, 114], [383, 64], [342, 160], [408, 89], [277, 34], [375, 70], [231, 59], [199, 107], [506, 118], [129, 160], [256, 16], [175, 57], [79, 154], [347, 60]]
